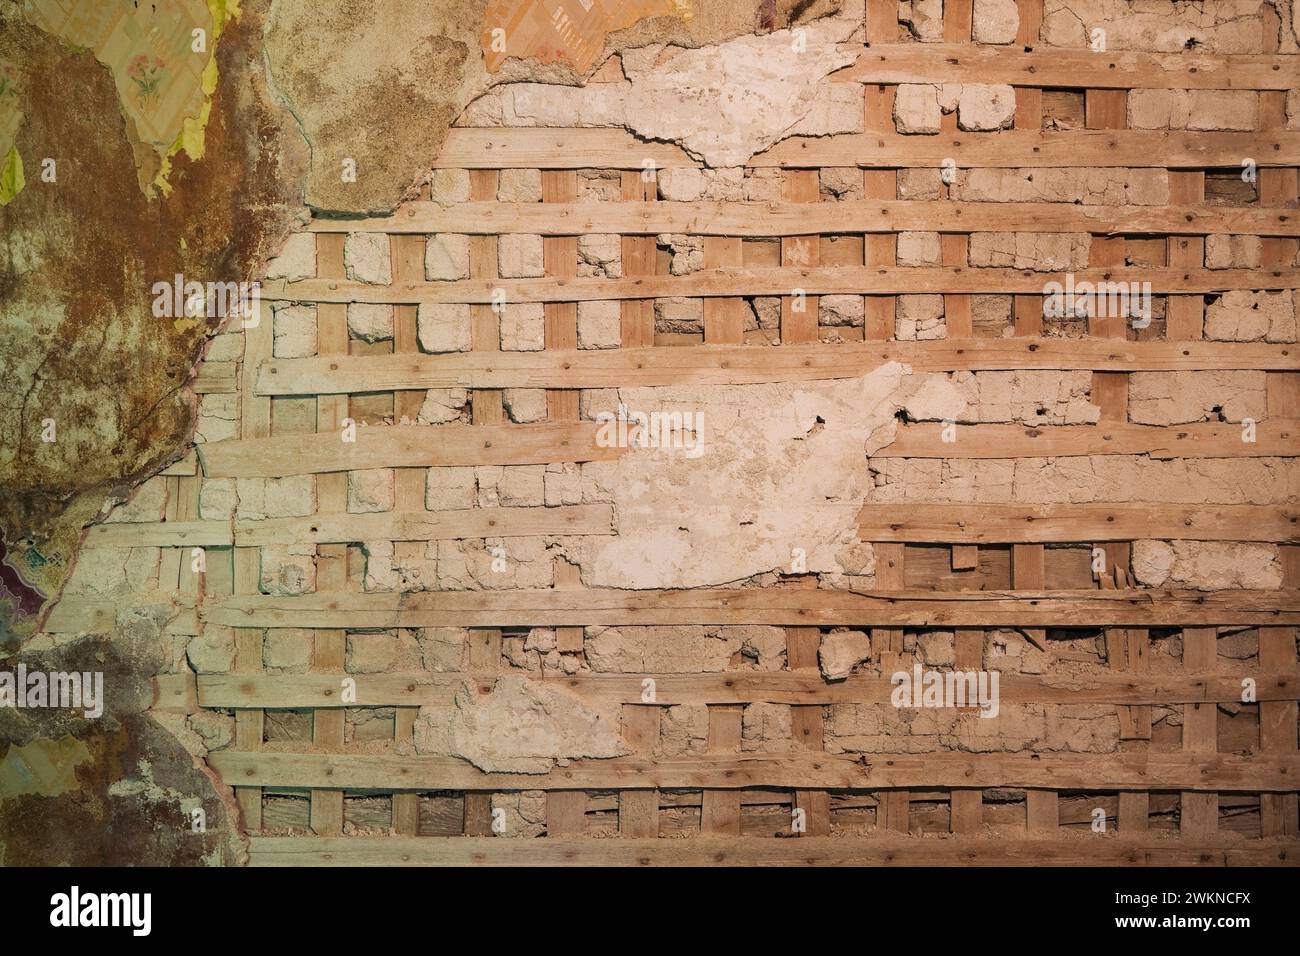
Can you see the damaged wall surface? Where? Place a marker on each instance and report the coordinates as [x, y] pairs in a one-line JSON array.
[[697, 388]]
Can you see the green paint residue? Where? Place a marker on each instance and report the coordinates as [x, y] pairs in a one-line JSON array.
[[11, 177]]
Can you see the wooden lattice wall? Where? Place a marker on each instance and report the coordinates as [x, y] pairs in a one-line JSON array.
[[962, 567]]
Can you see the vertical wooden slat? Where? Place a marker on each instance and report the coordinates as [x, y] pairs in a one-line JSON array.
[[409, 483], [255, 422], [482, 656], [638, 810], [1200, 811], [560, 256], [724, 317], [720, 809], [330, 646], [807, 727], [1277, 645], [1028, 309], [893, 806], [637, 316], [799, 313], [880, 249]]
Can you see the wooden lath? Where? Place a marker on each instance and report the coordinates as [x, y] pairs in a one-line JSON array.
[[732, 282], [762, 219], [990, 572], [745, 365], [781, 607]]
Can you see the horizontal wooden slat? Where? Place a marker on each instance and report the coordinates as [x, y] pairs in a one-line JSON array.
[[1035, 148], [403, 446], [471, 148], [930, 850], [795, 219], [159, 534], [337, 528], [1069, 69], [923, 523], [1019, 441], [428, 525], [782, 607], [813, 771], [75, 614], [277, 691], [747, 365], [846, 280]]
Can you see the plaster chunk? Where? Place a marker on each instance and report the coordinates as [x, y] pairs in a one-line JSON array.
[[841, 311], [563, 487], [920, 317], [1041, 252], [443, 326], [766, 728], [1200, 110], [287, 648], [679, 315], [446, 257], [984, 107], [296, 261], [1232, 252], [442, 405], [519, 256], [1177, 398], [681, 184], [916, 108], [288, 569], [919, 249], [366, 258], [920, 184], [687, 253], [113, 571], [600, 257], [683, 731], [1030, 397], [213, 651], [442, 649], [525, 404], [523, 327], [1231, 27], [1244, 316], [763, 185], [1207, 565], [658, 650], [449, 489], [803, 445], [370, 490], [1089, 185], [370, 321], [218, 418], [293, 496], [924, 18], [294, 331], [725, 103], [521, 486], [217, 499], [450, 185], [840, 182], [995, 21], [370, 652], [841, 651], [520, 185], [936, 648], [547, 726], [599, 324]]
